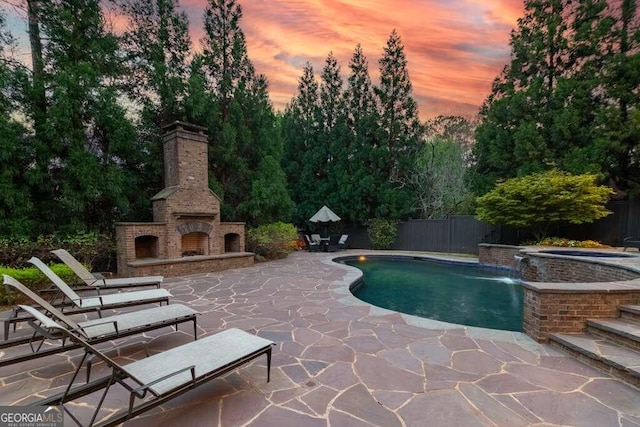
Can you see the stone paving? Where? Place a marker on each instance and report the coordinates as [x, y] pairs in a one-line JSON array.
[[341, 362]]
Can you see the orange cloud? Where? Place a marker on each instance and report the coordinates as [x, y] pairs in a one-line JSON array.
[[454, 48]]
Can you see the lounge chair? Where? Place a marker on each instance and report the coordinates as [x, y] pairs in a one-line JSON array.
[[98, 330], [311, 245], [342, 243], [104, 301], [165, 375], [97, 280]]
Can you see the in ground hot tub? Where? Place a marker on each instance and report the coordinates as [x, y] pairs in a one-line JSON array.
[[569, 252]]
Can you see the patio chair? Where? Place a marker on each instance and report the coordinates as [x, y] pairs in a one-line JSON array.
[[311, 245], [101, 301], [165, 375], [631, 242], [97, 330], [316, 238], [332, 245], [342, 243], [92, 279]]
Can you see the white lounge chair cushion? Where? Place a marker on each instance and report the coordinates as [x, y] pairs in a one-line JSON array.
[[124, 281], [122, 298], [207, 354], [136, 319]]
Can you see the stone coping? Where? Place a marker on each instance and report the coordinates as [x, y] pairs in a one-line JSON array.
[[569, 287], [186, 259], [631, 263]]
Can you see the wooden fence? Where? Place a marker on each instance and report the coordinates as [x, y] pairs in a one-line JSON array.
[[463, 233]]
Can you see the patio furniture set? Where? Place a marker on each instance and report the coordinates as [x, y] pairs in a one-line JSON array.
[[333, 243], [149, 381]]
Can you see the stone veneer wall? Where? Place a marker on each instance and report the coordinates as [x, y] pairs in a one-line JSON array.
[[561, 293]]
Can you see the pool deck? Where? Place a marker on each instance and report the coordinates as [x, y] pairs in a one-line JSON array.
[[341, 362]]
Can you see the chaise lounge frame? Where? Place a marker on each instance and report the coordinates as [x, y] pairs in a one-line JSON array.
[[99, 302], [96, 280], [97, 330], [165, 375]]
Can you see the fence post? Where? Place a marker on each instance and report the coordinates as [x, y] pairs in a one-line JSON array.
[[449, 235]]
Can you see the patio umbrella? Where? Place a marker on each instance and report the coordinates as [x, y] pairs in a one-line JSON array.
[[324, 215]]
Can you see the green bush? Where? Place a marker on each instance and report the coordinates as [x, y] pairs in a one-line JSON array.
[[382, 233], [34, 279], [272, 241], [540, 200], [92, 249]]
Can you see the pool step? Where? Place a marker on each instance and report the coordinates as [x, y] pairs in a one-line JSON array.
[[630, 312], [602, 354], [622, 331]]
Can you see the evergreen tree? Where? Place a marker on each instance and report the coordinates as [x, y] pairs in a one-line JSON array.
[[15, 155], [241, 121], [619, 118], [357, 175], [400, 127], [301, 127], [332, 136], [520, 130], [85, 171], [155, 46], [564, 99]]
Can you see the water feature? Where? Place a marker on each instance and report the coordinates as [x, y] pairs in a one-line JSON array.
[[515, 272], [447, 291]]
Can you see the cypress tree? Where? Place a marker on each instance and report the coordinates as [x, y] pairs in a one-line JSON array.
[[401, 130], [301, 125]]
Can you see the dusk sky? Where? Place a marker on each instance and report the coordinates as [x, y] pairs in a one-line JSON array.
[[454, 48]]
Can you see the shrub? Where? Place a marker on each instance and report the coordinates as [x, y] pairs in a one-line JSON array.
[[34, 279], [382, 233], [92, 249], [272, 241], [566, 243], [539, 200]]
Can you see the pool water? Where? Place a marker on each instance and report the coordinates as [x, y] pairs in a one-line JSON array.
[[446, 291]]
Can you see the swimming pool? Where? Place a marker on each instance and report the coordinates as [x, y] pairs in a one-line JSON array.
[[441, 290]]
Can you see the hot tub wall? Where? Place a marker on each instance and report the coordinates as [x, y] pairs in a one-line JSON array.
[[562, 292], [499, 255], [552, 268]]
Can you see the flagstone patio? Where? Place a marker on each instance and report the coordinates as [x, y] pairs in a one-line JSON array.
[[341, 362]]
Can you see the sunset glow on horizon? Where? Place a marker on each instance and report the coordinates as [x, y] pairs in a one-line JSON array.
[[454, 48]]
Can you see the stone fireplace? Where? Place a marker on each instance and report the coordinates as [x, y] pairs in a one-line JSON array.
[[186, 235]]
